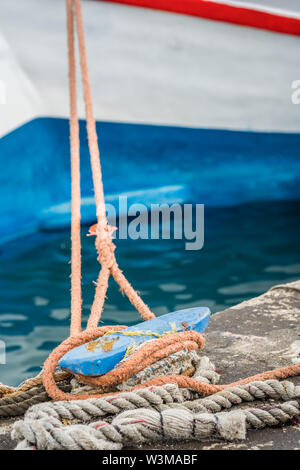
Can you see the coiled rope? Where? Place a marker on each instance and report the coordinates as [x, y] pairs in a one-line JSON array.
[[31, 391], [16, 401], [105, 247], [154, 414]]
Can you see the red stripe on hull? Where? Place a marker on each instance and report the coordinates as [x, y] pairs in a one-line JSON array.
[[222, 12]]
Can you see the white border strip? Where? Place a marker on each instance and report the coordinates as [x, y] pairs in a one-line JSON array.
[[264, 8]]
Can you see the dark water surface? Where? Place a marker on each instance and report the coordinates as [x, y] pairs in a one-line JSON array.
[[247, 249]]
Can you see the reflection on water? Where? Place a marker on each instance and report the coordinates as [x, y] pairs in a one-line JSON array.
[[247, 249]]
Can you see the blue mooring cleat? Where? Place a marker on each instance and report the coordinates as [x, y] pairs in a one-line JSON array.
[[101, 355]]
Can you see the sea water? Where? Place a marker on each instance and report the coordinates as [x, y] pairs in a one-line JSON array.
[[247, 249]]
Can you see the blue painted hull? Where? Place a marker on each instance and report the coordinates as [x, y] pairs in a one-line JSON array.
[[100, 356], [152, 163]]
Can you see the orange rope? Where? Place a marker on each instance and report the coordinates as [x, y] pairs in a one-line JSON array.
[[76, 300], [104, 244], [151, 352], [154, 350]]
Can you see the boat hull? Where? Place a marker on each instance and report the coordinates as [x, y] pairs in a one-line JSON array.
[[151, 67]]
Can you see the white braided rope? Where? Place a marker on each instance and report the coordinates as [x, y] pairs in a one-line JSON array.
[[87, 410], [259, 390], [146, 425], [166, 416]]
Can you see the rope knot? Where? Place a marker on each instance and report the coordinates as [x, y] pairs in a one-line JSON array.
[[104, 243]]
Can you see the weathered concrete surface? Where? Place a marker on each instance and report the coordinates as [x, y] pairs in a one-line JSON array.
[[5, 427], [257, 335]]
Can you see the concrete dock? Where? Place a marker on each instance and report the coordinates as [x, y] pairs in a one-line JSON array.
[[257, 335]]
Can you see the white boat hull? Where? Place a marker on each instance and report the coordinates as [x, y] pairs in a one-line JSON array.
[[154, 67]]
